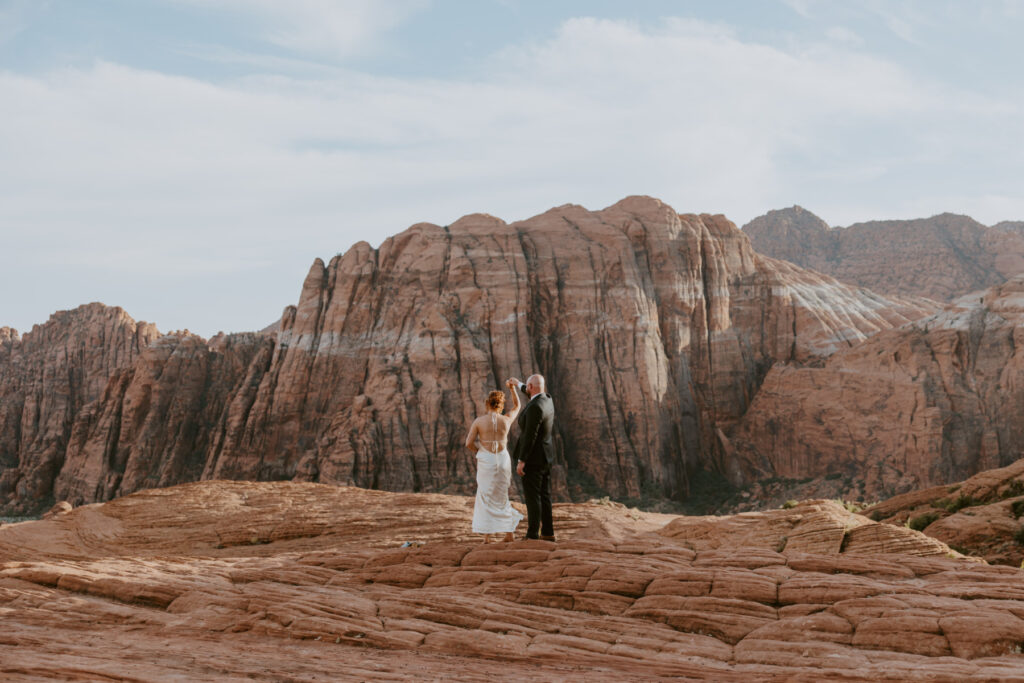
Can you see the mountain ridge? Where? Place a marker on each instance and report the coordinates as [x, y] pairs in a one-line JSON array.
[[654, 328], [941, 257]]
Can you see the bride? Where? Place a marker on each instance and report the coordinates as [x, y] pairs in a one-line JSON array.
[[488, 437]]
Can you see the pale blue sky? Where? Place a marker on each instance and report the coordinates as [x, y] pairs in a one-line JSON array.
[[187, 159]]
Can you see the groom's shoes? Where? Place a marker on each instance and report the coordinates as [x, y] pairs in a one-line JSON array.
[[548, 538]]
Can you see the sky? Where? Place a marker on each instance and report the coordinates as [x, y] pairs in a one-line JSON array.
[[188, 159]]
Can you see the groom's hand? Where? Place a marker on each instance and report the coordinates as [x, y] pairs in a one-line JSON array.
[[521, 468]]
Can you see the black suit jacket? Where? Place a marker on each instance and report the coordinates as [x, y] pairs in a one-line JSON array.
[[536, 445]]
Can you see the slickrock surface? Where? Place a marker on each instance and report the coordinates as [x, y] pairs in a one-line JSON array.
[[290, 581], [654, 329], [926, 404], [981, 515], [941, 258]]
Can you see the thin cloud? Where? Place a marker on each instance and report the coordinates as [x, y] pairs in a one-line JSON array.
[[184, 176], [332, 28]]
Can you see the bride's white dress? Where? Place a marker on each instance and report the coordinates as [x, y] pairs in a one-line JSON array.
[[492, 511]]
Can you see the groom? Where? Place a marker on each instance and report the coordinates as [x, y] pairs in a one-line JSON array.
[[534, 453]]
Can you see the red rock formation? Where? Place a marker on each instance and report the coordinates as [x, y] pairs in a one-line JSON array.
[[46, 378], [981, 515], [941, 258], [925, 404], [158, 419], [653, 329], [289, 581], [1010, 226]]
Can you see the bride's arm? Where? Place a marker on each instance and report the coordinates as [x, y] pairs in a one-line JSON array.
[[514, 390], [471, 438]]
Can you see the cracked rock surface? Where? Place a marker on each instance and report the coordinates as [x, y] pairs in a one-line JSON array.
[[291, 581]]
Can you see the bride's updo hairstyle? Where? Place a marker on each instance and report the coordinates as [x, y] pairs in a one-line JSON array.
[[496, 400]]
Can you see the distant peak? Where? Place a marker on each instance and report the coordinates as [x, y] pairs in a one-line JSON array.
[[638, 202], [478, 218], [794, 217]]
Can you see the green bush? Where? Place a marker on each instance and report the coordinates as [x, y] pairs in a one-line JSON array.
[[921, 522], [956, 504], [1017, 508], [1018, 536], [789, 504], [1014, 489], [850, 506]]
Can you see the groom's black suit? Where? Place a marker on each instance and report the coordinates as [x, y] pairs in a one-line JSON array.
[[536, 449]]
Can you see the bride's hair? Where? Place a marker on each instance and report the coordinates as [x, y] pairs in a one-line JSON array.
[[496, 400]]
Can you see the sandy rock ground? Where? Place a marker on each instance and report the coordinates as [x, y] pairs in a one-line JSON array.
[[306, 582]]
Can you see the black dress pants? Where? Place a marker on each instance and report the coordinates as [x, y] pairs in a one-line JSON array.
[[537, 494]]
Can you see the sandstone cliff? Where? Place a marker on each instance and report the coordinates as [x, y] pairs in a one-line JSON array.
[[926, 404], [290, 581], [654, 330], [941, 258], [47, 377], [156, 421]]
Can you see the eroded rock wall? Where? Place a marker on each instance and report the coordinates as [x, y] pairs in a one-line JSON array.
[[46, 378], [654, 330], [926, 404]]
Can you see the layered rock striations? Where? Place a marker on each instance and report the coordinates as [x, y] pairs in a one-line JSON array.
[[941, 258], [926, 404], [157, 420], [654, 330], [47, 378], [292, 581]]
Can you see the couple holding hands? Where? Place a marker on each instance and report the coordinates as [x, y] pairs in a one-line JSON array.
[[533, 454]]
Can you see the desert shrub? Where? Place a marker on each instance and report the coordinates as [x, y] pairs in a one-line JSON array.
[[1018, 536], [789, 504], [1017, 508], [921, 522], [956, 504], [850, 506], [1014, 489]]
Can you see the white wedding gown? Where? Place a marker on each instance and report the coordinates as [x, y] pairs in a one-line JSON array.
[[492, 511]]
